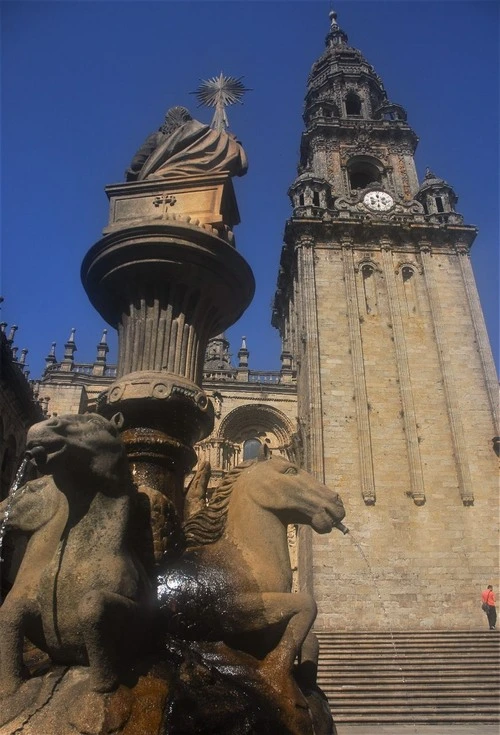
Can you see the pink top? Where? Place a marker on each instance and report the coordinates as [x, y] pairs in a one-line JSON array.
[[488, 596]]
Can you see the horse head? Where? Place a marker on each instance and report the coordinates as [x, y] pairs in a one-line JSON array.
[[83, 446], [31, 507], [292, 494]]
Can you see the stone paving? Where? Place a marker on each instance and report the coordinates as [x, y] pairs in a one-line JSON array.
[[373, 729]]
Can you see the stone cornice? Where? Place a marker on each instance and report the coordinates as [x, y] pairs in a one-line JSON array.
[[388, 132], [369, 234]]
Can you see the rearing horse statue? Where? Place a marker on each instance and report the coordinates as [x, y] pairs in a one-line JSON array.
[[80, 591], [233, 583]]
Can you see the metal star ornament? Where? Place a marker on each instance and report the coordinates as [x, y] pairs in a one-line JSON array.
[[220, 92]]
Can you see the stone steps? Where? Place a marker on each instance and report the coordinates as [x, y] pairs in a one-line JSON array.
[[426, 677]]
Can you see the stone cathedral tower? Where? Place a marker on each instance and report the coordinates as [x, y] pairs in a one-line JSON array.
[[397, 392]]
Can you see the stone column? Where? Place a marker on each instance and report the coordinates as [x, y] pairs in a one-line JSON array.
[[483, 345], [406, 391], [457, 430], [168, 281], [307, 322], [309, 331], [358, 371]]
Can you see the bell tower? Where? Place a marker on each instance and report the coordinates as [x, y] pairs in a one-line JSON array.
[[397, 391]]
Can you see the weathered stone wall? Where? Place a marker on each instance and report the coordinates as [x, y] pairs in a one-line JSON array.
[[64, 398], [409, 349]]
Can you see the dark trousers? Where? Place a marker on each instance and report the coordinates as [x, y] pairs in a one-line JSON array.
[[492, 616]]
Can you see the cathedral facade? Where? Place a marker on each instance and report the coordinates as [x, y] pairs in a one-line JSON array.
[[387, 390]]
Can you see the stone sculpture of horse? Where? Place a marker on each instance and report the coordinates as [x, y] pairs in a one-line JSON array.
[[233, 583], [79, 591]]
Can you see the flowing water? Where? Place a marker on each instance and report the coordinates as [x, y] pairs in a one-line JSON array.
[[397, 654], [19, 480]]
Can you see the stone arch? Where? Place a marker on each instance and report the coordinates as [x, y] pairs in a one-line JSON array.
[[258, 421]]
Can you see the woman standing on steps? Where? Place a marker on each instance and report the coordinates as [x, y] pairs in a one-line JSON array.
[[488, 598]]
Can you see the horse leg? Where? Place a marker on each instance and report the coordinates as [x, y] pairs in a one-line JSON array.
[[300, 611], [308, 661], [263, 612], [297, 611], [260, 612], [105, 617], [12, 622]]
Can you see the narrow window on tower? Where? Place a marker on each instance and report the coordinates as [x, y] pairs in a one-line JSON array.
[[352, 104], [408, 276], [316, 198], [439, 204], [369, 288]]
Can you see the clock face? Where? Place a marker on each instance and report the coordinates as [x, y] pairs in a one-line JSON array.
[[378, 201]]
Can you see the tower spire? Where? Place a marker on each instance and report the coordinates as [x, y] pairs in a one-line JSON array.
[[69, 352], [102, 348], [51, 358], [336, 36]]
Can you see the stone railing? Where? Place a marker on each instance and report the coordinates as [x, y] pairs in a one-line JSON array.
[[268, 377]]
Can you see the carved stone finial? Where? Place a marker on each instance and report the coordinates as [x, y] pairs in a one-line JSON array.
[[102, 347], [243, 354], [12, 333], [70, 347], [51, 357]]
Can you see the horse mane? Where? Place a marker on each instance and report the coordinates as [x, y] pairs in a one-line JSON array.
[[207, 526]]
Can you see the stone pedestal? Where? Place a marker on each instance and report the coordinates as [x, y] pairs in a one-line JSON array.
[[166, 275], [201, 200]]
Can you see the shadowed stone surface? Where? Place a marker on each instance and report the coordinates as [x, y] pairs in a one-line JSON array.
[[184, 147], [214, 650], [215, 654]]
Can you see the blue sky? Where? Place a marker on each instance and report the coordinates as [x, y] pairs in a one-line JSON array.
[[83, 83]]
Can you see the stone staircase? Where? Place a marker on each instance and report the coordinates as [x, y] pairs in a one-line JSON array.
[[424, 677]]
